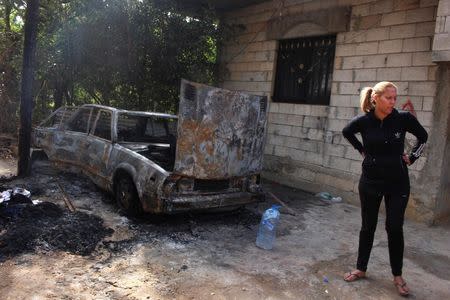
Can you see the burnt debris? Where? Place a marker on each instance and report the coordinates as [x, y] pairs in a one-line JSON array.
[[46, 227]]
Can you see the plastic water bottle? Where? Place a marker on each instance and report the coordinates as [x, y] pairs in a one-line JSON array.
[[324, 195], [267, 228]]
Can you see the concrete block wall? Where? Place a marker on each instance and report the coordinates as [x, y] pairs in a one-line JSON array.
[[386, 40], [441, 42]]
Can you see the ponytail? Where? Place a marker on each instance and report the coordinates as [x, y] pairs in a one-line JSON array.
[[366, 99]]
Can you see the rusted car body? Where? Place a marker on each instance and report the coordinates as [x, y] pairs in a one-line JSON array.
[[210, 156]]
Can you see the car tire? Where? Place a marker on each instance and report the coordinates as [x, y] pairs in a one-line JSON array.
[[127, 197]]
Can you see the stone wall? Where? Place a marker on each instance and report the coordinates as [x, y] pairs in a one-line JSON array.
[[441, 139], [383, 40], [441, 42]]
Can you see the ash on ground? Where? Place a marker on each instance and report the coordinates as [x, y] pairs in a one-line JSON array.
[[49, 226], [185, 229], [45, 227]]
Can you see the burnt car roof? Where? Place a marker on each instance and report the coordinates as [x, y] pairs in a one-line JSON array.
[[134, 112]]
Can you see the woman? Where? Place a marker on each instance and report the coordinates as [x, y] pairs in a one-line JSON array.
[[384, 173]]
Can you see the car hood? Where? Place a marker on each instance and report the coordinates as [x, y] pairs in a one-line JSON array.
[[221, 133]]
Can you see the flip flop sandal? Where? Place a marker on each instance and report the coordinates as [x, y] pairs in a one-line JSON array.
[[401, 289], [353, 276]]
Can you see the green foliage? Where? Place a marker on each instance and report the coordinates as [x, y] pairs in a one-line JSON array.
[[124, 53], [11, 24]]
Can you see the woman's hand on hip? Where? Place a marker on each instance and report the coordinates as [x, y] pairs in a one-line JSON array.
[[406, 159]]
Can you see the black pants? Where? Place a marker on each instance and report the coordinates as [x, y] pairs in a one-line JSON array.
[[395, 203]]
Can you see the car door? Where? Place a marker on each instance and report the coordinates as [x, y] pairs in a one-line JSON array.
[[68, 141], [98, 147], [43, 135]]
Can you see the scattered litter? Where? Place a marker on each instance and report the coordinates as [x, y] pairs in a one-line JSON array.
[[5, 196], [124, 221], [328, 197], [325, 279], [324, 195], [21, 191], [13, 201], [14, 194], [183, 268], [265, 238]]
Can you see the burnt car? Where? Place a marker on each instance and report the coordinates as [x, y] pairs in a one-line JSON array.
[[207, 157]]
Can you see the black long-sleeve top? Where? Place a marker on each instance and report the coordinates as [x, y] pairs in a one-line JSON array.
[[383, 143]]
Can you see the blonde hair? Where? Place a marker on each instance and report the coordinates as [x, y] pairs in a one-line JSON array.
[[367, 103]]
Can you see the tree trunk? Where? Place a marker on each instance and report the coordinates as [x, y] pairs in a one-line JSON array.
[[7, 15], [58, 93], [26, 100]]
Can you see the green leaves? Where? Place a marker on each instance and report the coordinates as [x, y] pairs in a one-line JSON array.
[[129, 54]]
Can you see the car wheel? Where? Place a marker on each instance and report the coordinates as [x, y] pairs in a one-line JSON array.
[[127, 197]]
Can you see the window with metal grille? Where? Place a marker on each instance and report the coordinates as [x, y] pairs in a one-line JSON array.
[[304, 70]]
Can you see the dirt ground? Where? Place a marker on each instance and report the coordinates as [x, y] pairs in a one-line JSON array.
[[48, 252]]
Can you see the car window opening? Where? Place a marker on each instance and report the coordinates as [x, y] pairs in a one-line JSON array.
[[153, 137]]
